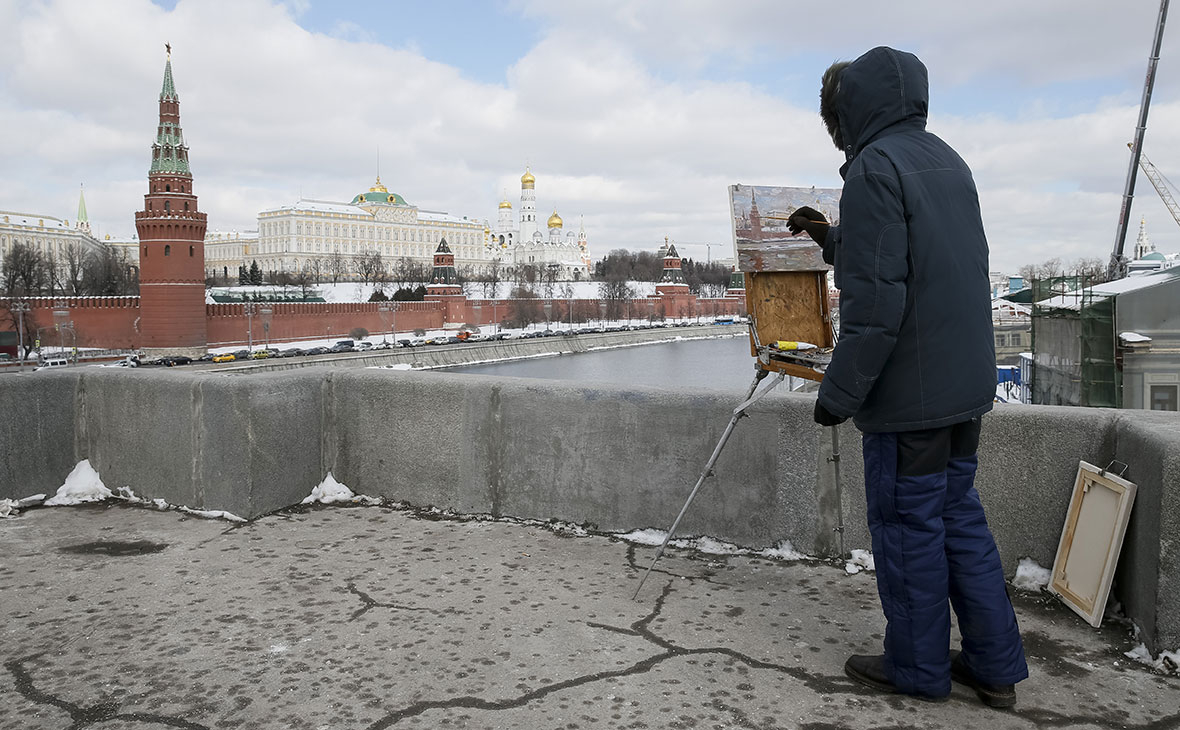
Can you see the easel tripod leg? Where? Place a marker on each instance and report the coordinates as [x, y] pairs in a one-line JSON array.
[[738, 412]]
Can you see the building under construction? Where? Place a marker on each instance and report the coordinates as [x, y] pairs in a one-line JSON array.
[[1113, 345]]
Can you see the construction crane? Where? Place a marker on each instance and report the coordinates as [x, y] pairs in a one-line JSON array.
[[1160, 183], [1117, 268]]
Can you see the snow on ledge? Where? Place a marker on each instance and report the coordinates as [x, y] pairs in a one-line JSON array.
[[1133, 337], [12, 507], [1030, 576], [711, 546], [331, 491], [1167, 662], [860, 560], [82, 485], [125, 494]]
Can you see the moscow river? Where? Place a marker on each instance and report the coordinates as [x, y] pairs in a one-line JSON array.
[[723, 364]]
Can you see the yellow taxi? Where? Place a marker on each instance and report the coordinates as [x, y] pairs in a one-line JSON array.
[[224, 358]]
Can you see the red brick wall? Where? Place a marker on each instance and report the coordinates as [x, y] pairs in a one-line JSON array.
[[108, 322], [228, 324], [114, 322]]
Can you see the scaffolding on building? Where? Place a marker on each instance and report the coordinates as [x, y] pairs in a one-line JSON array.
[[1073, 344]]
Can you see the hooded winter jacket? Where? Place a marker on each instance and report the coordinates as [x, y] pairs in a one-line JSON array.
[[911, 261]]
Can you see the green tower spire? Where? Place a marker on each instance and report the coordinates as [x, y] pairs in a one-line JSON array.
[[169, 153], [169, 89]]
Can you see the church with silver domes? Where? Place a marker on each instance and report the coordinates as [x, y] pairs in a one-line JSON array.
[[523, 242]]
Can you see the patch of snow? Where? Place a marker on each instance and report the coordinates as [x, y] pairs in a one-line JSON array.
[[331, 491], [212, 514], [710, 545], [1030, 576], [126, 493], [860, 560], [647, 536], [278, 648], [1167, 662], [1133, 337], [783, 551], [397, 366], [716, 547], [82, 485]]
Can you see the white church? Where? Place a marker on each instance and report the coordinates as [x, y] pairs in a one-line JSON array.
[[524, 243]]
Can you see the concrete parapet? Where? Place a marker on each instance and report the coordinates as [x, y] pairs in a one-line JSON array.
[[619, 458]]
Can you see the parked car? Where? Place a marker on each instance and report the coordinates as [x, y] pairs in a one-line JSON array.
[[341, 347], [405, 343], [417, 342], [207, 357], [54, 362], [383, 345], [260, 355], [320, 350], [131, 361], [242, 355], [362, 346], [226, 357]]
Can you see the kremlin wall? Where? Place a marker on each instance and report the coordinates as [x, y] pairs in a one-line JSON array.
[[171, 315]]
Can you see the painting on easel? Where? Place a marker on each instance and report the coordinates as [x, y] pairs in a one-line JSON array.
[[786, 278], [760, 214]]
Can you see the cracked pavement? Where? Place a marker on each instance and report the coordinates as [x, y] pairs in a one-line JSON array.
[[126, 618]]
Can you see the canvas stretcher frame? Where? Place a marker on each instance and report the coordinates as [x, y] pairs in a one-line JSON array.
[[1091, 541]]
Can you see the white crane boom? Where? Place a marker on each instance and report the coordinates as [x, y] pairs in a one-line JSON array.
[[1161, 187]]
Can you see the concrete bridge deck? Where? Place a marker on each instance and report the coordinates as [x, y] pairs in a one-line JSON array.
[[350, 617]]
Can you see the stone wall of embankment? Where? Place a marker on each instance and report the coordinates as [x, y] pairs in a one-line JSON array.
[[619, 458], [477, 352]]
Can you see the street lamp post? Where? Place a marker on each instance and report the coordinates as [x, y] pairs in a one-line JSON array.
[[20, 308], [602, 313], [266, 312], [548, 312], [61, 315], [250, 308], [385, 308]]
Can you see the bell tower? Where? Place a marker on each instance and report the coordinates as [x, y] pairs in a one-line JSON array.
[[171, 241]]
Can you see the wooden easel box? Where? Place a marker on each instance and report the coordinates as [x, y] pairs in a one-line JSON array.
[[787, 295]]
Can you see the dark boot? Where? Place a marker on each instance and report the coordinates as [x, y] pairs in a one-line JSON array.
[[992, 695], [870, 671]]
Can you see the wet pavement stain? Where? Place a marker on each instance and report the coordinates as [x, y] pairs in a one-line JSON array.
[[115, 548]]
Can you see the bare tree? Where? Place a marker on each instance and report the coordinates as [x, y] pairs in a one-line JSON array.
[[493, 273], [109, 273], [337, 266], [370, 265], [73, 264], [24, 272], [306, 277], [616, 294], [407, 271]]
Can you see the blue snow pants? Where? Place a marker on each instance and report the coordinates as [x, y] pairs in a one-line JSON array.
[[931, 546]]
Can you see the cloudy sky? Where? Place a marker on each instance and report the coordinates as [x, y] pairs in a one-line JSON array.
[[634, 114]]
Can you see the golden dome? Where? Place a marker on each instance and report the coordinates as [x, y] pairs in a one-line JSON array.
[[527, 179], [505, 204], [554, 221], [378, 187]]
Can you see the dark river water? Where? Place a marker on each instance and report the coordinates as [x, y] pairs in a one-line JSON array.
[[723, 364]]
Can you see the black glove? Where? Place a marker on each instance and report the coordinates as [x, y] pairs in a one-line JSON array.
[[824, 417], [810, 220]]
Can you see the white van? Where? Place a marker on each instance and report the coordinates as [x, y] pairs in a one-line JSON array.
[[57, 362]]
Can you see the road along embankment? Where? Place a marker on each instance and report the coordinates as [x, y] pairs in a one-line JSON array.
[[618, 458], [454, 355]]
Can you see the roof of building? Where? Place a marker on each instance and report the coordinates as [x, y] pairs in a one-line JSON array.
[[27, 219], [1074, 299], [435, 216]]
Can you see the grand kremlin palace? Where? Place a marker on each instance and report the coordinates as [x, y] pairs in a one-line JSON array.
[[289, 237]]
